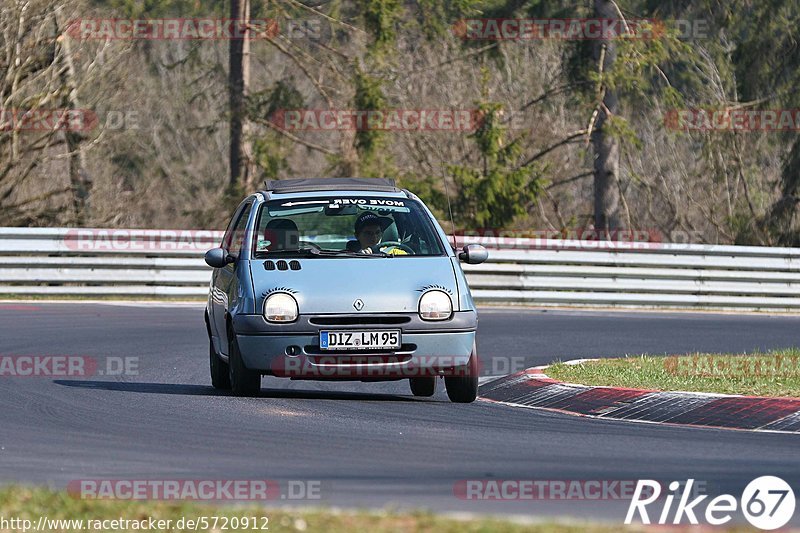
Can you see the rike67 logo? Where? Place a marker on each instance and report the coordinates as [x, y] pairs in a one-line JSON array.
[[767, 502]]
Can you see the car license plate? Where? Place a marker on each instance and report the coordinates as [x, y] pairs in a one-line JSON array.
[[360, 340]]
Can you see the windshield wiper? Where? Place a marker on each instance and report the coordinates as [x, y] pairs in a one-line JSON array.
[[316, 252], [345, 253]]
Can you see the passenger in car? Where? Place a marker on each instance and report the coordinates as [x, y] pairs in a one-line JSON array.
[[281, 234]]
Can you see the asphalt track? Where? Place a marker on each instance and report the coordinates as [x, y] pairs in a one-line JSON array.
[[369, 445]]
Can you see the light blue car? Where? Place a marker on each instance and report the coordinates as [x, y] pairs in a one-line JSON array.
[[340, 278]]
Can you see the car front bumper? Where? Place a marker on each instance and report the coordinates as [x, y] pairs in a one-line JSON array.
[[292, 350]]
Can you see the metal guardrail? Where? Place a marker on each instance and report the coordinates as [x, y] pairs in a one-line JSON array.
[[156, 263]]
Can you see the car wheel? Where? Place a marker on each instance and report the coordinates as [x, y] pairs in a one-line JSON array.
[[244, 382], [464, 388], [220, 377], [422, 386]]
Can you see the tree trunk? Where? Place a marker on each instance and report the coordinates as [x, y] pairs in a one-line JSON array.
[[606, 147], [238, 81], [80, 181], [782, 214]]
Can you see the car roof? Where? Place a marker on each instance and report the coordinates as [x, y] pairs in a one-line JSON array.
[[331, 184]]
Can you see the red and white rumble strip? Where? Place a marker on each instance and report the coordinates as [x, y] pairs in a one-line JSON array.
[[533, 388]]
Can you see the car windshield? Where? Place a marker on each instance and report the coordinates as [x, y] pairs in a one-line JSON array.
[[345, 226]]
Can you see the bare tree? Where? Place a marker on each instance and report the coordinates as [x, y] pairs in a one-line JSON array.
[[606, 146], [31, 86], [80, 181], [238, 84]]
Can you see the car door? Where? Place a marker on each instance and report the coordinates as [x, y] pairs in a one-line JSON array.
[[225, 280]]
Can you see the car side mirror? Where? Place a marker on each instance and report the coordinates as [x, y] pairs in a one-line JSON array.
[[473, 254], [218, 258]]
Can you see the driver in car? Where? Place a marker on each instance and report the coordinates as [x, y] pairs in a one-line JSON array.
[[369, 229]]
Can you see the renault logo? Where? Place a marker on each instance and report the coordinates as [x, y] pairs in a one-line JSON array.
[[358, 304]]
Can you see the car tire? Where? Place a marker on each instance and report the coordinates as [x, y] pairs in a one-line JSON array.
[[422, 386], [220, 373], [244, 382], [464, 389]]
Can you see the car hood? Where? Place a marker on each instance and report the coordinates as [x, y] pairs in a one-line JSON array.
[[332, 285]]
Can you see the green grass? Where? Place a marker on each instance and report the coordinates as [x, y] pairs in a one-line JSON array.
[[775, 373], [17, 502], [31, 503]]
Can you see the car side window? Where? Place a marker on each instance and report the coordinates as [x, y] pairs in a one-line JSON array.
[[240, 231], [235, 234], [226, 238]]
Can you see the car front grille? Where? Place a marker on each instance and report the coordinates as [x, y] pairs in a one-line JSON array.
[[359, 320]]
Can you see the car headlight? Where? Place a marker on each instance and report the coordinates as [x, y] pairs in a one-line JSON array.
[[280, 307], [435, 305]]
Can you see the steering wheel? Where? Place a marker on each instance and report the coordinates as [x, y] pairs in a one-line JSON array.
[[395, 244]]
